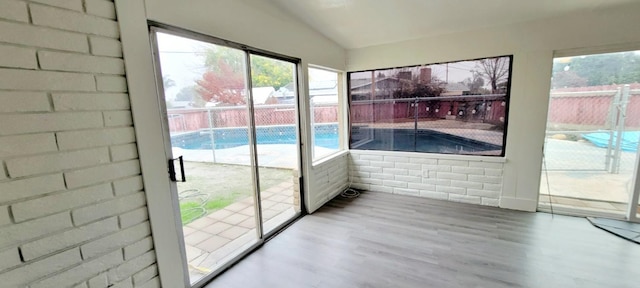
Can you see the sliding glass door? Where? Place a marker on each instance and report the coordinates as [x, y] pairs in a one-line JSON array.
[[593, 127], [231, 133]]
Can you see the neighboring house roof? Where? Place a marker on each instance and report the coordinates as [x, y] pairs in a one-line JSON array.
[[262, 94], [316, 88], [359, 83]]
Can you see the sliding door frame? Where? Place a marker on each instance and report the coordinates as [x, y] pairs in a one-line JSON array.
[[631, 214], [154, 28]]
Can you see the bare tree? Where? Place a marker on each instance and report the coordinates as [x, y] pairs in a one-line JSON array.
[[496, 70]]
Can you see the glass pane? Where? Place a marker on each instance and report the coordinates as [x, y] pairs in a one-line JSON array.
[[592, 133], [274, 98], [205, 90], [452, 108], [323, 90]]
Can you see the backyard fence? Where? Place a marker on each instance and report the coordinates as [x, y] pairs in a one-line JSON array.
[[593, 130], [194, 119]]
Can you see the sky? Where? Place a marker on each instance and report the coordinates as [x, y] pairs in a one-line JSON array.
[[182, 60]]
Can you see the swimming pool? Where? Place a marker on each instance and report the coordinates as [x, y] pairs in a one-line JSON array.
[[422, 140], [325, 136]]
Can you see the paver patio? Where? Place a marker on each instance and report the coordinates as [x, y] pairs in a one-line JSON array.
[[219, 235]]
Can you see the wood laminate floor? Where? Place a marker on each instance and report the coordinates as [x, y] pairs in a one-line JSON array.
[[384, 240]]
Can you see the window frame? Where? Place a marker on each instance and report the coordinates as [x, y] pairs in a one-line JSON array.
[[342, 120], [506, 113]]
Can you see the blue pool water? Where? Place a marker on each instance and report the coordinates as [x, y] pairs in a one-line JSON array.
[[326, 136], [425, 140]]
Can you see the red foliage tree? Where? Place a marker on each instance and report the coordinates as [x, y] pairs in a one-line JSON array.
[[224, 86]]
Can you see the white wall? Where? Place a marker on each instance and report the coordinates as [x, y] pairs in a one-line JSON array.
[[256, 23], [533, 45], [72, 206]]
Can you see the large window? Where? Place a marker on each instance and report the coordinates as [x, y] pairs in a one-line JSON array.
[[325, 112], [449, 108]]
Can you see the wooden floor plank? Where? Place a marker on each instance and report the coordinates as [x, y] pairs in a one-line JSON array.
[[384, 240]]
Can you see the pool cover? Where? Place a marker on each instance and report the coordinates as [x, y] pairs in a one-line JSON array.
[[601, 139]]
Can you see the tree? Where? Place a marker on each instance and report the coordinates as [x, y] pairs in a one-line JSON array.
[[190, 94], [495, 70], [224, 80], [563, 79], [475, 83], [223, 85], [601, 69], [167, 82], [267, 72]]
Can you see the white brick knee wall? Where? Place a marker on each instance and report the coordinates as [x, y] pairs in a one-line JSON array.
[[476, 180], [72, 205], [327, 179]]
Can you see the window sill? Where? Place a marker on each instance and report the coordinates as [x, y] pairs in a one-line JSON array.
[[329, 158], [495, 159]]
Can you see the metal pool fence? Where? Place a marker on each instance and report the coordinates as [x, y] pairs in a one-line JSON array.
[[274, 123], [583, 128]]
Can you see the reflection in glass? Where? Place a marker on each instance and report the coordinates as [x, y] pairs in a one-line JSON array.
[[452, 108], [274, 108], [205, 90], [591, 144], [323, 93]]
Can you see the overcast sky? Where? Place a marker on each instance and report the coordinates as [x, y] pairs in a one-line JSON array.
[[182, 60]]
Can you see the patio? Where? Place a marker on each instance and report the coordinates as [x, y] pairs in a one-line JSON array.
[[217, 236]]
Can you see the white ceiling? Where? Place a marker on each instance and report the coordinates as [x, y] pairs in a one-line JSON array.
[[361, 23]]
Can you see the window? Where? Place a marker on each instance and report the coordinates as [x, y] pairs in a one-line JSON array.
[[450, 108], [325, 112]]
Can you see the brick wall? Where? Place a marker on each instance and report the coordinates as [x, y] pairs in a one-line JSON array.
[[72, 206], [476, 180], [327, 179]]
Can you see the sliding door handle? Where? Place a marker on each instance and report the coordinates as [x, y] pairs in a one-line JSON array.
[[172, 170]]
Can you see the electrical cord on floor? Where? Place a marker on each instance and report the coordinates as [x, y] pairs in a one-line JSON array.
[[350, 193]]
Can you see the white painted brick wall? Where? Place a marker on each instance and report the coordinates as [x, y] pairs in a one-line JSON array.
[[14, 10], [72, 204], [13, 102], [101, 8], [18, 57], [88, 102], [67, 4], [476, 180], [73, 62], [42, 37], [327, 180]]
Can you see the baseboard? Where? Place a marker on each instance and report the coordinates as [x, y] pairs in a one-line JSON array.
[[518, 204]]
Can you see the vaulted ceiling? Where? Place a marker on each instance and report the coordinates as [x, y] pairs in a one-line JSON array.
[[361, 23]]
